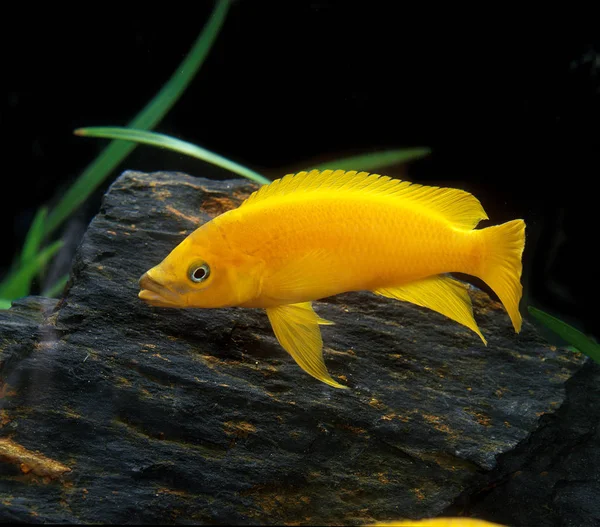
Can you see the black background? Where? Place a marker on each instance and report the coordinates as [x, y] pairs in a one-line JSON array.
[[508, 102]]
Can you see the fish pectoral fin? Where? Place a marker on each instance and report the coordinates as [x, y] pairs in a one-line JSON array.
[[296, 327], [311, 274], [438, 293]]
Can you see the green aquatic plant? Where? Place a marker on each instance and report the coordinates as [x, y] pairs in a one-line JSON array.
[[35, 256], [171, 143], [375, 160], [18, 283], [147, 119], [18, 280], [575, 338], [370, 161]]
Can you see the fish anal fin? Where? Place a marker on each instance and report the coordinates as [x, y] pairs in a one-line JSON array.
[[296, 327], [438, 293]]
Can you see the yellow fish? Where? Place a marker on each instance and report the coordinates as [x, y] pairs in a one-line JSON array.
[[438, 522], [315, 234]]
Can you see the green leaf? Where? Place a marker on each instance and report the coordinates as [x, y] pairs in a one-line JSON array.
[[34, 236], [375, 160], [12, 285], [32, 243], [57, 287], [148, 118], [5, 304], [573, 336], [177, 145]]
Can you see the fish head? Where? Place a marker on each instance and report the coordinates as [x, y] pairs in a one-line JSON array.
[[202, 272]]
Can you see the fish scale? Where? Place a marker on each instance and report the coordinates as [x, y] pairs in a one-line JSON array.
[[393, 243]]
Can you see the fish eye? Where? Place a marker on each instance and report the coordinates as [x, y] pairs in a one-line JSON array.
[[199, 273]]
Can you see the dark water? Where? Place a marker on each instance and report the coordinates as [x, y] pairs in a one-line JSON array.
[[510, 108], [511, 111]]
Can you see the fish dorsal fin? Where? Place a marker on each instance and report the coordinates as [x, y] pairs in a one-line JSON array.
[[457, 206], [439, 293], [296, 327]]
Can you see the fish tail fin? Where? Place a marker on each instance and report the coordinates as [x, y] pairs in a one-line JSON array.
[[501, 266]]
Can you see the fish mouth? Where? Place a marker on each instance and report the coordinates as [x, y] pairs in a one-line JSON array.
[[157, 294]]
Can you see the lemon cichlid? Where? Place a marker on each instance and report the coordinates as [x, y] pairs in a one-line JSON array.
[[315, 234]]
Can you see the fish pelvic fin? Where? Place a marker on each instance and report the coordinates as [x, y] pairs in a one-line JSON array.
[[438, 293], [296, 327], [500, 266]]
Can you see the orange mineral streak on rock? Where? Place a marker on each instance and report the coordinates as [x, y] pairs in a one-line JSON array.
[[30, 462], [240, 429], [195, 220], [5, 390], [216, 205], [4, 418]]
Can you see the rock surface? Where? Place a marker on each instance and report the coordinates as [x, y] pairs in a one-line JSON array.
[[552, 478], [113, 411]]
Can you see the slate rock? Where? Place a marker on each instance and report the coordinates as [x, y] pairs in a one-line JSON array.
[[116, 411], [553, 477]]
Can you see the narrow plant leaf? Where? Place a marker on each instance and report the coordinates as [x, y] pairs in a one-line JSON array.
[[57, 287], [12, 285], [171, 143], [375, 160], [34, 237], [148, 118], [32, 243], [573, 336], [5, 304]]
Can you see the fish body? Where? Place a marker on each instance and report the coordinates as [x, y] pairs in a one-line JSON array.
[[334, 245], [317, 234]]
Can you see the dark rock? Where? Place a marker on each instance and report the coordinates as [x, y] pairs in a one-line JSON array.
[[159, 415], [553, 477]]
